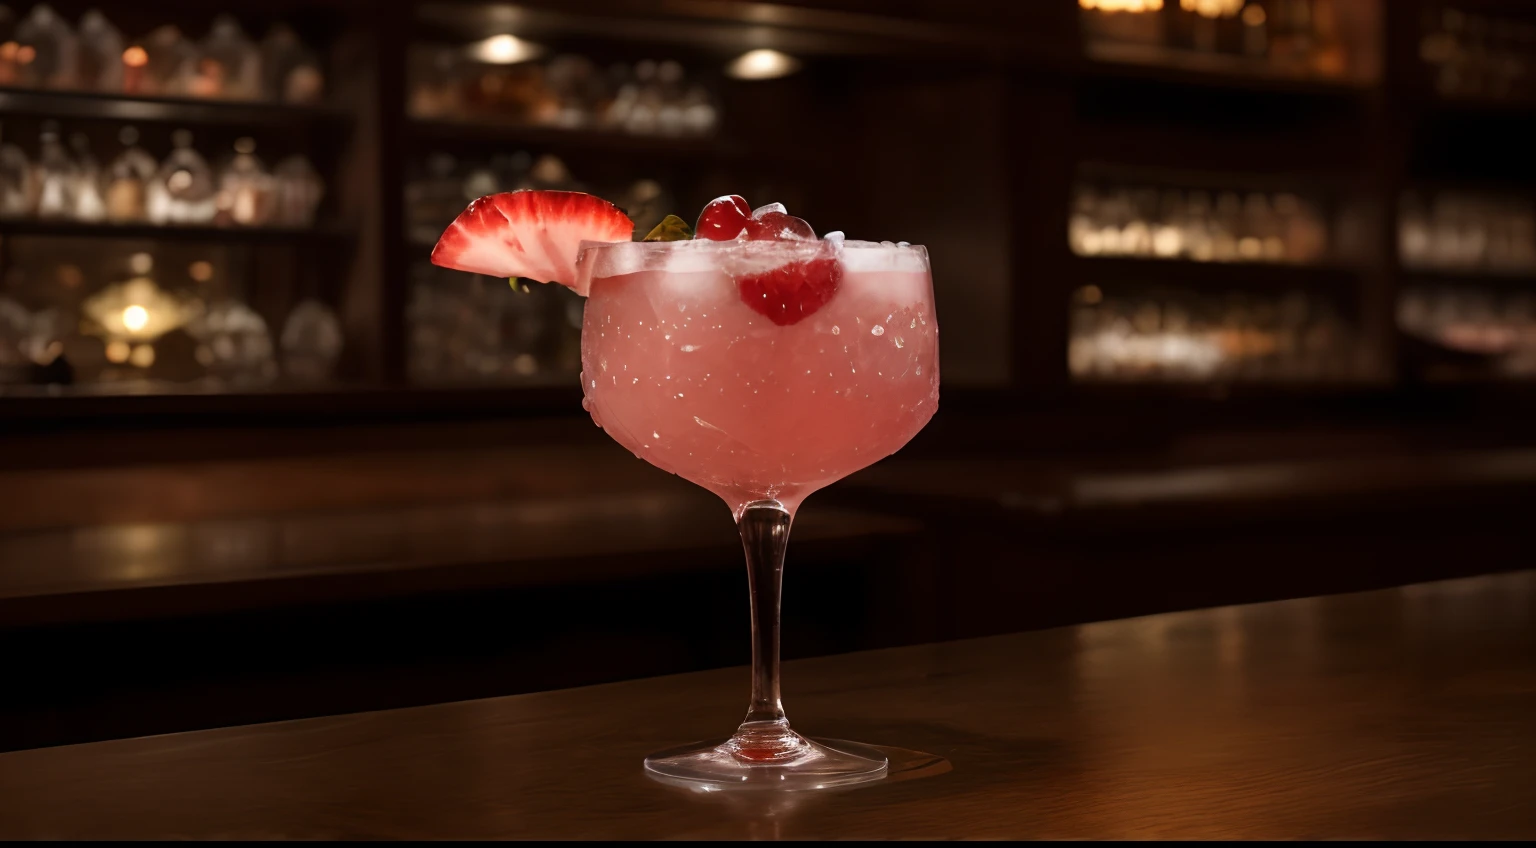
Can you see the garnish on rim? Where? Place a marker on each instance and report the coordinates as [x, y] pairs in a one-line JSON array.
[[671, 228], [790, 292], [534, 235]]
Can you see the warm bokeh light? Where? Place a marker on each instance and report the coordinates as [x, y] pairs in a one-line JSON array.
[[1132, 6], [135, 57], [201, 271], [762, 64], [504, 50], [135, 318], [118, 352], [143, 356]]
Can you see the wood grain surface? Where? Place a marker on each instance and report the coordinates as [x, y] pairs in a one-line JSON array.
[[1404, 713]]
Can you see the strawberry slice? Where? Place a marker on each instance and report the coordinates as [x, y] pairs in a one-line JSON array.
[[792, 291], [530, 234]]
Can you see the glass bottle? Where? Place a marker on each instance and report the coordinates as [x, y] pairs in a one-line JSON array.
[[228, 65], [169, 61], [281, 53], [101, 53], [9, 70], [47, 50], [182, 191], [56, 176], [305, 82], [297, 191], [246, 190], [89, 203], [127, 179], [234, 344], [16, 182], [311, 342]]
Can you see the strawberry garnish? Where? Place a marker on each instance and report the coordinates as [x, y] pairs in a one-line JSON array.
[[793, 290], [530, 234]]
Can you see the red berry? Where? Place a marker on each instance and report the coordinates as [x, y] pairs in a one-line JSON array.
[[777, 225], [792, 291], [723, 218]]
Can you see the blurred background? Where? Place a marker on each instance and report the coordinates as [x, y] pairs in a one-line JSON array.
[[1239, 303]]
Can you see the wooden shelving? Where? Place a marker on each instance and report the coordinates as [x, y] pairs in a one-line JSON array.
[[484, 132], [180, 110], [322, 233], [1212, 277]]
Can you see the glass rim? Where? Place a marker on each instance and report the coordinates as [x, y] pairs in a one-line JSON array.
[[753, 245], [608, 259]]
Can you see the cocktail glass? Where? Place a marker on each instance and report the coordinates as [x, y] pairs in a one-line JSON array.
[[761, 407]]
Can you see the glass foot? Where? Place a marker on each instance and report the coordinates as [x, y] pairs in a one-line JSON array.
[[723, 765]]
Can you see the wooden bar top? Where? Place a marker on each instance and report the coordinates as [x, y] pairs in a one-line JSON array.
[[1404, 713]]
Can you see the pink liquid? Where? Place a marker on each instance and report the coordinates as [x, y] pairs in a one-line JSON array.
[[684, 374]]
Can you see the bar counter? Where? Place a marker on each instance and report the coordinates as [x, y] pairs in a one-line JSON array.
[[1401, 713]]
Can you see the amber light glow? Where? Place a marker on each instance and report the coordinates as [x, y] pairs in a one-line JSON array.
[[135, 318], [1132, 6]]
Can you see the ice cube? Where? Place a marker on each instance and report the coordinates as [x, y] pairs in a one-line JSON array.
[[771, 207]]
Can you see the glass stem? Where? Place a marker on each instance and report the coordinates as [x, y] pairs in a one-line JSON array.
[[765, 735]]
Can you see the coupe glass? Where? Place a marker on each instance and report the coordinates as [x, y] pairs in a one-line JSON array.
[[681, 370]]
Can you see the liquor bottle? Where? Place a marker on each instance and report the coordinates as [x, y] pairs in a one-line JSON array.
[[88, 200], [297, 191], [182, 191], [311, 342], [16, 181], [285, 63], [228, 64], [55, 176], [246, 191], [46, 50], [169, 61], [101, 54], [127, 179], [9, 71]]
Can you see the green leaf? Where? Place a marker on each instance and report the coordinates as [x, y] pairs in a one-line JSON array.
[[671, 228]]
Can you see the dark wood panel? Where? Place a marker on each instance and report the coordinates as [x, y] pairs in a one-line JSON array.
[[1401, 714]]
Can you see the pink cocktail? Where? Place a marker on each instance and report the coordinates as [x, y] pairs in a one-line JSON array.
[[679, 368], [754, 359], [680, 371]]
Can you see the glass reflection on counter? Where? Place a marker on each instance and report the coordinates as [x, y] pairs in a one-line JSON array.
[[1190, 336], [1197, 225]]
